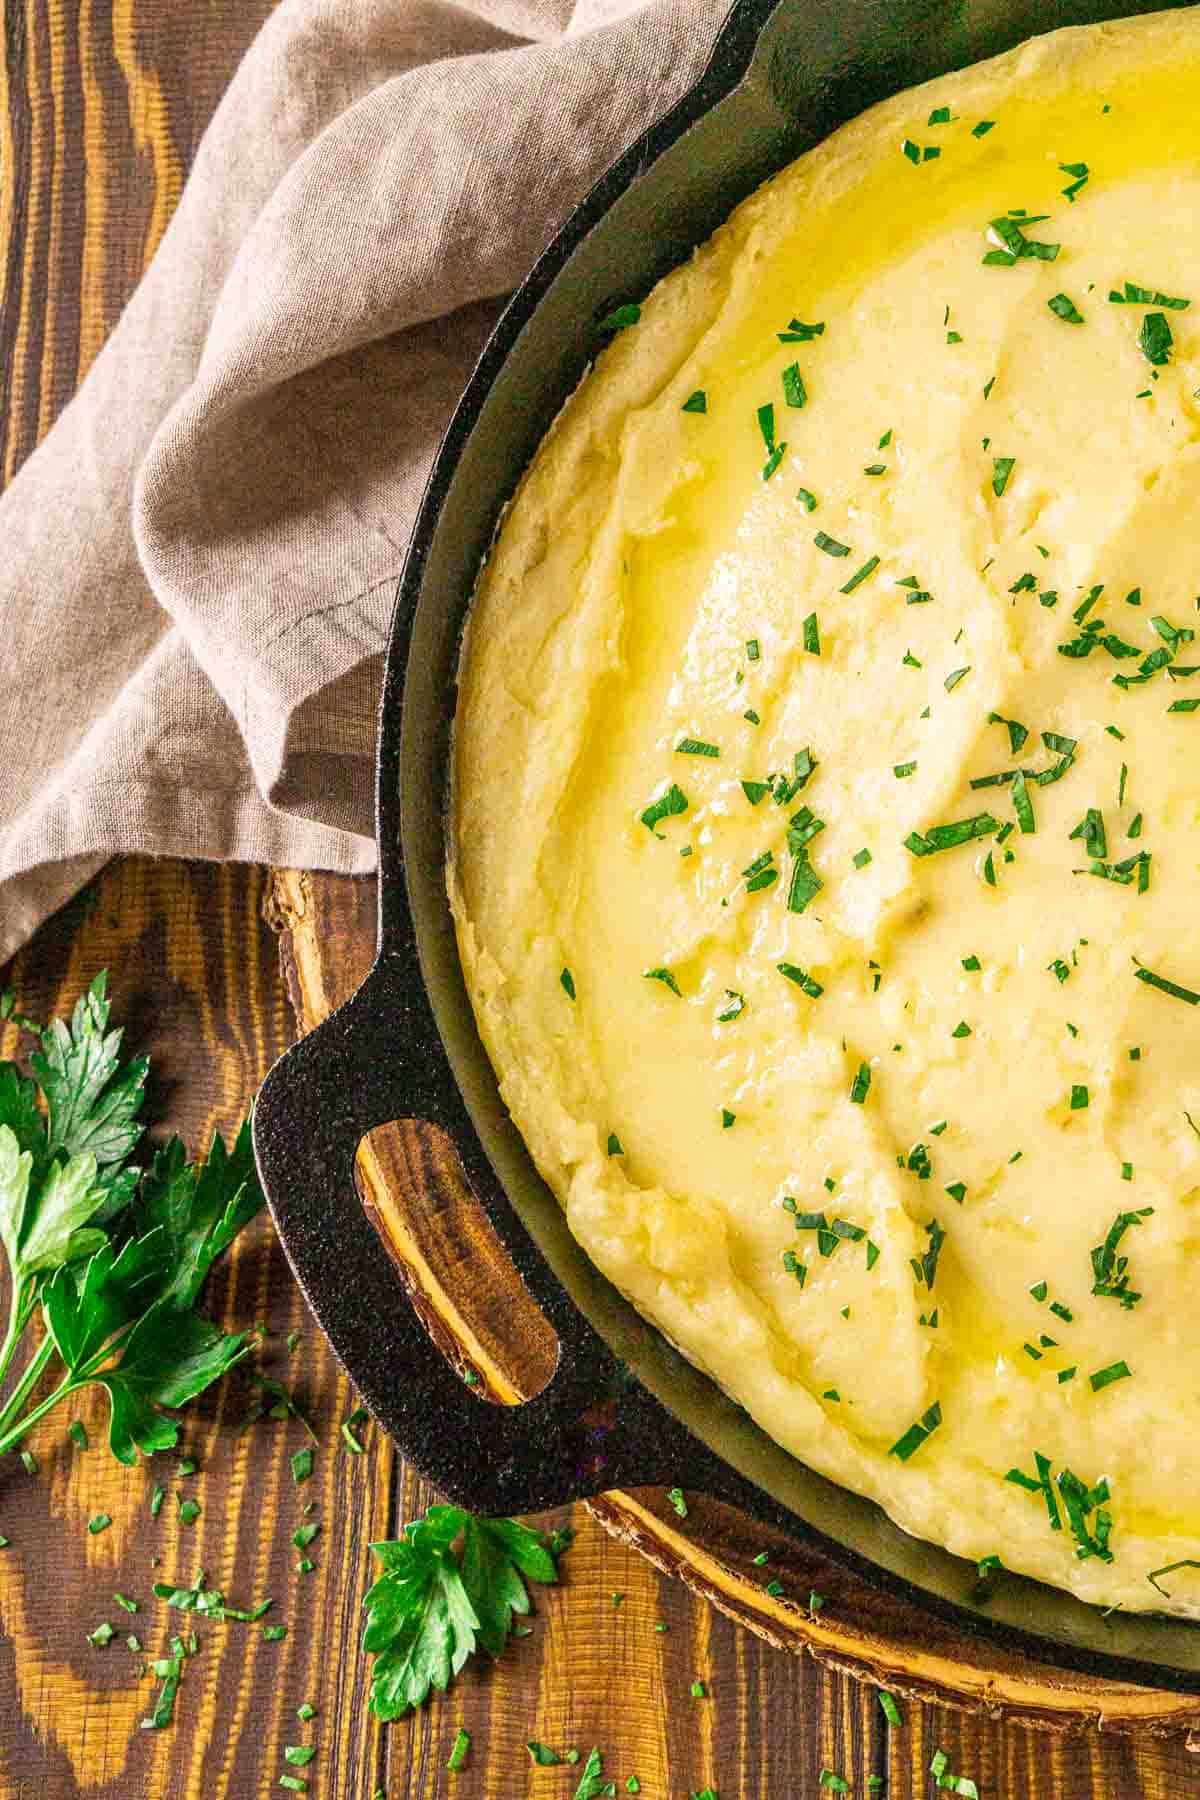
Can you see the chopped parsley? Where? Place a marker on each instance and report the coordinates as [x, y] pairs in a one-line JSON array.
[[1144, 296], [793, 387], [800, 333], [983, 127], [807, 499], [761, 873], [891, 1709], [1105, 1377], [812, 635], [735, 1006], [567, 983], [830, 545], [861, 858], [667, 806], [805, 982], [775, 452], [665, 976], [1008, 234], [696, 402], [1110, 1271], [1063, 307], [1023, 803], [1080, 172], [910, 1441], [620, 318], [860, 1087], [949, 837], [1155, 339], [1002, 468], [1166, 987], [956, 675], [689, 746], [924, 1267], [860, 575], [805, 883]]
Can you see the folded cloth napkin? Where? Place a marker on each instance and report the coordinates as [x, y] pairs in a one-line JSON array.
[[199, 561]]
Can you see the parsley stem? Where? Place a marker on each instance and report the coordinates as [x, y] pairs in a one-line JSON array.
[[36, 1364], [20, 1311], [10, 1438]]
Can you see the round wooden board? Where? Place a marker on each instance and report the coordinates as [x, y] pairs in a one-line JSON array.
[[476, 1308]]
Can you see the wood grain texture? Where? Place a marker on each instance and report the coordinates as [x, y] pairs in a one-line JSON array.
[[770, 1722], [101, 106], [194, 970]]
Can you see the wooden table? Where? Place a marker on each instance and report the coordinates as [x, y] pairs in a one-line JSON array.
[[102, 105]]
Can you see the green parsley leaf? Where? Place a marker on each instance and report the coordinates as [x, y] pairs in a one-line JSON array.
[[1155, 339], [696, 402], [805, 982], [861, 1085], [949, 837], [1002, 468], [1105, 1377], [620, 318], [1110, 1270], [860, 575], [811, 635], [433, 1605], [891, 1709], [1166, 987], [667, 806], [542, 1754], [696, 747], [592, 1783], [910, 1441], [1065, 309], [830, 545], [302, 1465], [665, 976], [793, 387]]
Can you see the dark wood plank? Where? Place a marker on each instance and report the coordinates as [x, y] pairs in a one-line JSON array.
[[194, 969]]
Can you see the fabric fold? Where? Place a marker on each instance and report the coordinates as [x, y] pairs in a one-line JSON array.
[[203, 553]]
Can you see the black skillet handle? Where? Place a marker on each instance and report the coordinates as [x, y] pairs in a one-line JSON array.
[[380, 1058]]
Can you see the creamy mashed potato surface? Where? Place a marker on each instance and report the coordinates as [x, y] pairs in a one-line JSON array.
[[826, 818]]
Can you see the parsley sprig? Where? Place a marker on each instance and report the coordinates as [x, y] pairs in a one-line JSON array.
[[450, 1586], [114, 1255]]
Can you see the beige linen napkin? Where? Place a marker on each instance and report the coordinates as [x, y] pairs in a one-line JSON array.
[[199, 561]]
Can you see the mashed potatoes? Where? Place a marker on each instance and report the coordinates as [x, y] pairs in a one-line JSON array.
[[826, 818]]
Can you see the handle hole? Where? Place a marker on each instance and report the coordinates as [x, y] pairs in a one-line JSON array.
[[462, 1282]]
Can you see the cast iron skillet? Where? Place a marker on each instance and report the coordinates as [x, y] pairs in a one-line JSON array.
[[783, 73]]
